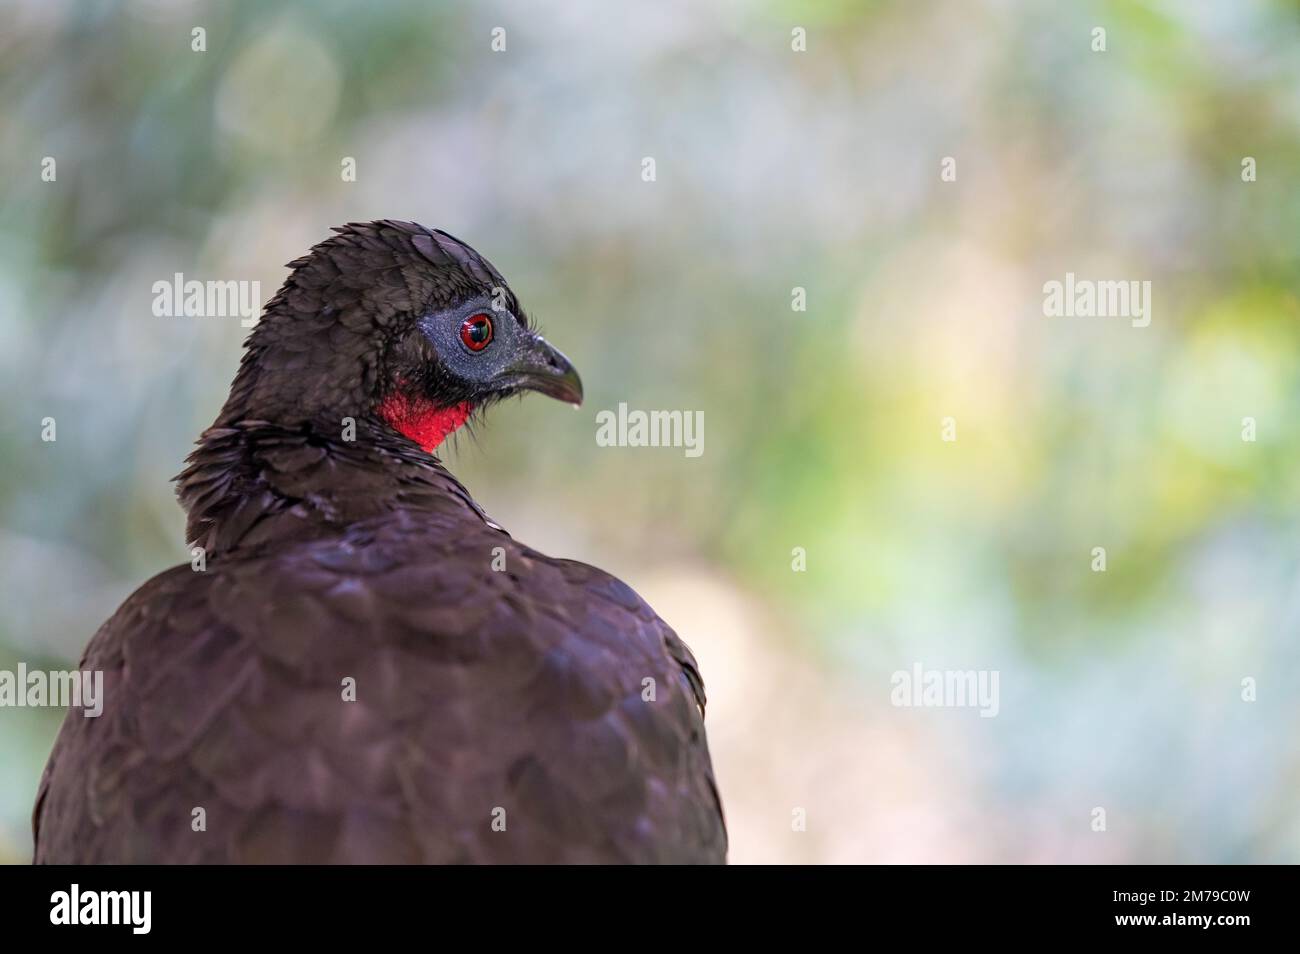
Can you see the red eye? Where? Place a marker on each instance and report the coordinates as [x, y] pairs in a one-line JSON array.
[[476, 332]]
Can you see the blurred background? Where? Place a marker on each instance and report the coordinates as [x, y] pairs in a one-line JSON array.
[[776, 169]]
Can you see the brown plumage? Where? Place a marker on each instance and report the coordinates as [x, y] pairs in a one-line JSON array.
[[494, 688]]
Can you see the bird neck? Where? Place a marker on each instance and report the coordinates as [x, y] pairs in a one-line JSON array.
[[253, 482], [421, 420]]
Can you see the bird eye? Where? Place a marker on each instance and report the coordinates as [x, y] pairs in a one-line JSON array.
[[476, 332]]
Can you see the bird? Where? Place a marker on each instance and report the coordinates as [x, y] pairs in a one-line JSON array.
[[359, 666]]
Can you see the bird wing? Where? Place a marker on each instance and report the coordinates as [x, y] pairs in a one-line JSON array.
[[539, 712]]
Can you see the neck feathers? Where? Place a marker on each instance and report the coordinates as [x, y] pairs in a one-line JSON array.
[[253, 482]]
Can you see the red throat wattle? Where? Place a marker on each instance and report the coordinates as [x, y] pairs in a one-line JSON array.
[[421, 420]]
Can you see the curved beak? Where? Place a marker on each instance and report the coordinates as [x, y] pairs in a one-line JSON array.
[[545, 369]]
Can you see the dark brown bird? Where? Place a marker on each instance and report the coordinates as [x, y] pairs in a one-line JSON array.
[[367, 668]]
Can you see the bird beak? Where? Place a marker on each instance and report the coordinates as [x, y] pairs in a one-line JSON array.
[[543, 368]]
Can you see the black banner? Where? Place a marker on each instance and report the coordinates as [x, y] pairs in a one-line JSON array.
[[132, 905]]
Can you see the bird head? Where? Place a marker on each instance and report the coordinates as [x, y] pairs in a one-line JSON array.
[[400, 323]]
